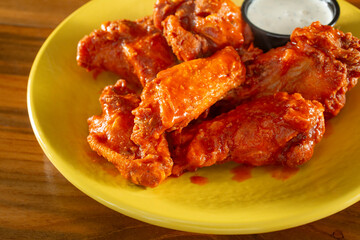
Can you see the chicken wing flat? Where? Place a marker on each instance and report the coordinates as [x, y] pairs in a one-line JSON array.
[[135, 50], [279, 129], [197, 28], [320, 62], [183, 92], [110, 137]]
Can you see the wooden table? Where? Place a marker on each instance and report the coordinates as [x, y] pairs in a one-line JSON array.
[[36, 201]]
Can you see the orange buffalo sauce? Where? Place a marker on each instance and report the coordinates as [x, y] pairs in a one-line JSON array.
[[281, 172], [241, 173], [199, 180]]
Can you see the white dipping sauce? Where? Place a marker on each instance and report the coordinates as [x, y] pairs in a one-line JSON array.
[[283, 16]]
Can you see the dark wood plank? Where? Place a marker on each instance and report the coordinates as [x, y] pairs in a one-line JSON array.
[[20, 45], [37, 13]]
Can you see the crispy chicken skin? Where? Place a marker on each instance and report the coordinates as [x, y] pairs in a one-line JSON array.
[[343, 47], [181, 93], [320, 62], [197, 28], [279, 129], [135, 50], [110, 137]]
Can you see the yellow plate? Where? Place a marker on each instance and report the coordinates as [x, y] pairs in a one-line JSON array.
[[61, 96]]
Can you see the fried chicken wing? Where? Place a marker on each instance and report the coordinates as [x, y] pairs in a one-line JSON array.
[[135, 51], [183, 92], [279, 129], [343, 47], [110, 137], [197, 28], [320, 62]]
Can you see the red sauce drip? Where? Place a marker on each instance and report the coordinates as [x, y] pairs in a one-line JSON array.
[[328, 129], [282, 173], [199, 180], [241, 173]]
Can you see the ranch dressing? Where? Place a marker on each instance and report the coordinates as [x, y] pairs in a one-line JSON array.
[[283, 16]]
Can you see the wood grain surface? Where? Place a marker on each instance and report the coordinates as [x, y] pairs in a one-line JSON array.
[[36, 201]]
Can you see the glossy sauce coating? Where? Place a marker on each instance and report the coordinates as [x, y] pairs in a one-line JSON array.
[[197, 28], [182, 93], [320, 62], [281, 129], [135, 50], [110, 137]]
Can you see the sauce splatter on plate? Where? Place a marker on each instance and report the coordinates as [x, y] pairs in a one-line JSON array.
[[199, 180], [281, 173], [241, 173]]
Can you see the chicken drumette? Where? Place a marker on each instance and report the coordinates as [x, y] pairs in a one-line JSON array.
[[280, 129], [110, 137]]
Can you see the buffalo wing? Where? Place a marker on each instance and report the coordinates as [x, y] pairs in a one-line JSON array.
[[136, 51], [110, 137], [280, 129], [197, 28], [181, 93], [320, 62]]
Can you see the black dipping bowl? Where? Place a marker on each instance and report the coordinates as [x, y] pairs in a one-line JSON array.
[[267, 40]]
